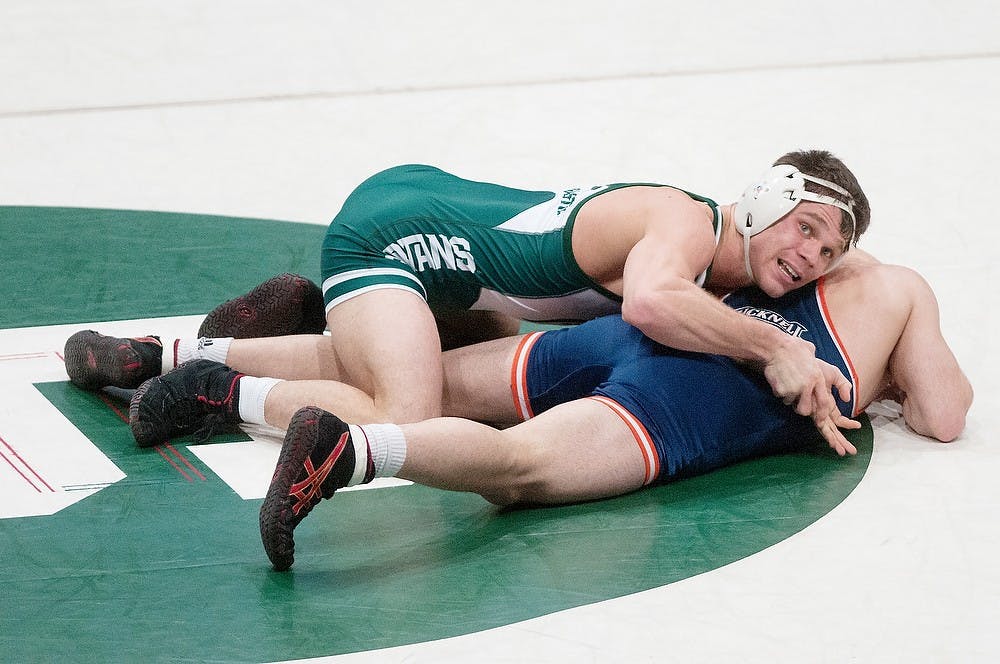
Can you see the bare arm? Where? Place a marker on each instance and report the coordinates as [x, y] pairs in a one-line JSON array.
[[660, 298], [934, 392], [676, 313]]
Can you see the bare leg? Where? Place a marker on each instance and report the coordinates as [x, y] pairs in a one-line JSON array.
[[385, 352], [477, 382], [577, 451], [300, 357], [334, 396], [580, 450]]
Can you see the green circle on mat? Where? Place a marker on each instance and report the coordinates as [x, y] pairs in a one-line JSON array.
[[156, 566]]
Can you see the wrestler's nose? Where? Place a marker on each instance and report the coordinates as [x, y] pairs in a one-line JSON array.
[[810, 251]]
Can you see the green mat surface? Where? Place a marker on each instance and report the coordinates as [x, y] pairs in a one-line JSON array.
[[167, 565]]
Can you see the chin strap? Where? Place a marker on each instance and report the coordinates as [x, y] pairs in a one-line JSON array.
[[746, 257]]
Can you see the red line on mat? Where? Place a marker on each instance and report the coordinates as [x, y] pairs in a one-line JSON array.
[[26, 465], [117, 411], [159, 449], [184, 459], [21, 356], [18, 471]]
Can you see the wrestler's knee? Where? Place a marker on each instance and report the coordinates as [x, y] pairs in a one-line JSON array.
[[408, 408], [527, 477]]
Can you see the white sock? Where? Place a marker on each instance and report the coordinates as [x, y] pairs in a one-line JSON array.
[[253, 394], [186, 350], [386, 444], [168, 359]]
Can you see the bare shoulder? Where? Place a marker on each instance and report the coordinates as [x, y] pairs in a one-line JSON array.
[[878, 279], [878, 291], [903, 280], [665, 223], [649, 203], [675, 219], [671, 213]]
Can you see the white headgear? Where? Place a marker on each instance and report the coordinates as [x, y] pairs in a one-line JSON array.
[[776, 194]]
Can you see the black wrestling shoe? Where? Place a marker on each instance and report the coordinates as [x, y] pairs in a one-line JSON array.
[[286, 304], [317, 458], [96, 360], [199, 397]]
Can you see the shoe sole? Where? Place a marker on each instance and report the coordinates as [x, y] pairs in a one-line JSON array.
[[283, 305], [143, 432], [301, 439], [157, 418], [95, 360]]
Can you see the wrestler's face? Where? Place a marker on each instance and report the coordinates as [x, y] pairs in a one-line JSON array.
[[799, 248]]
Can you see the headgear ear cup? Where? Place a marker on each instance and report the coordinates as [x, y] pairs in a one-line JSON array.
[[768, 200], [776, 194]]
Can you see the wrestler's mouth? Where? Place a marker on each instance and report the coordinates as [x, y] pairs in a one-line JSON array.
[[789, 270]]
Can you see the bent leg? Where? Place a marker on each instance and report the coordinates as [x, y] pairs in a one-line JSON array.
[[581, 450], [299, 357], [386, 355], [476, 379], [477, 382]]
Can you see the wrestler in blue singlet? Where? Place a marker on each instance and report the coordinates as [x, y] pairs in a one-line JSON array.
[[690, 412]]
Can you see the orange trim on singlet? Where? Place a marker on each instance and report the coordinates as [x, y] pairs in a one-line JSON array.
[[519, 376], [828, 319], [642, 437]]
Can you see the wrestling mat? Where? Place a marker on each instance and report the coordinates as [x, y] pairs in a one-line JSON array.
[[113, 553]]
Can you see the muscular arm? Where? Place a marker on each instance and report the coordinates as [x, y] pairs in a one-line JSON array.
[[935, 393], [660, 298]]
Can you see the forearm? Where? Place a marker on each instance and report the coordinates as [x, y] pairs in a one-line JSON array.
[[942, 416], [688, 318]]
